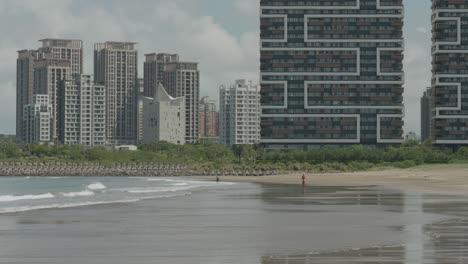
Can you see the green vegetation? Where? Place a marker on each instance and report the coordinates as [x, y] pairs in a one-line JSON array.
[[7, 138], [218, 157]]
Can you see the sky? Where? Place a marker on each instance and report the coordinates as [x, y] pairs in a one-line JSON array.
[[222, 35]]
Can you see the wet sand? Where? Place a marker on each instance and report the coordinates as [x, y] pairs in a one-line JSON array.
[[443, 179]]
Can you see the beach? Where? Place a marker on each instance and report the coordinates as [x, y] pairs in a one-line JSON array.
[[176, 220], [443, 179]]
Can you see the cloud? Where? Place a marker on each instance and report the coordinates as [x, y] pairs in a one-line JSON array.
[[175, 26], [247, 7]]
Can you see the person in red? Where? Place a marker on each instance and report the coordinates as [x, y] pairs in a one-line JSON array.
[[303, 180]]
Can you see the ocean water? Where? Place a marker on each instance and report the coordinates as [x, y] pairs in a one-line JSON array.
[[173, 220], [40, 193]]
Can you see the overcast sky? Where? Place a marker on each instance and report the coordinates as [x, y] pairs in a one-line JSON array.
[[222, 35]]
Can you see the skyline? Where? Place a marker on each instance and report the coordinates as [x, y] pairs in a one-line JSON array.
[[225, 40]]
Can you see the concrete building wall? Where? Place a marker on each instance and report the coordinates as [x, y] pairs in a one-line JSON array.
[[179, 79], [47, 74], [154, 70], [82, 116], [450, 71], [164, 118], [116, 67], [141, 85], [37, 121], [239, 115], [331, 73], [65, 49]]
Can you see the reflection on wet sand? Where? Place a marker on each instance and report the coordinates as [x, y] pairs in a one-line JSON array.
[[442, 242]]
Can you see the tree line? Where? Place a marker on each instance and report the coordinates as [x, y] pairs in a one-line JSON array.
[[219, 157]]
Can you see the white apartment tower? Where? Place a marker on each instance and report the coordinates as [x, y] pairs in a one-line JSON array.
[[116, 67], [82, 119], [239, 115], [37, 120], [164, 118], [180, 79]]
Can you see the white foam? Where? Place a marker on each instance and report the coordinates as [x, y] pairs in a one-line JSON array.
[[73, 205], [97, 186], [12, 198], [75, 194]]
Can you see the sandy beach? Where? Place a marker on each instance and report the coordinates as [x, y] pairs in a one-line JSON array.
[[447, 179]]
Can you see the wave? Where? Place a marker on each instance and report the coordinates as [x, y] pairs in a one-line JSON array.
[[21, 209], [12, 198], [75, 194], [97, 186]]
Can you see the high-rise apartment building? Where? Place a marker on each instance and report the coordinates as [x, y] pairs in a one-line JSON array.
[[24, 88], [39, 70], [116, 67], [47, 75], [331, 73], [208, 119], [426, 114], [450, 72], [37, 120], [141, 90], [82, 112], [239, 114], [179, 79], [65, 49], [154, 71], [164, 118]]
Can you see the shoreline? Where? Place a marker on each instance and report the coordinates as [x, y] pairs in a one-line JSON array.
[[440, 179]]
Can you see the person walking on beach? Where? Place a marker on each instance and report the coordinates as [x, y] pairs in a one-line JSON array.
[[303, 180]]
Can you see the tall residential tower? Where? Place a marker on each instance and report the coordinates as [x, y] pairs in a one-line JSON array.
[[450, 72], [24, 88], [116, 67], [38, 72], [179, 79], [239, 114], [331, 73]]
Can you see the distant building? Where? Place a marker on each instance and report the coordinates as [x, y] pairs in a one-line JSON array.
[[426, 114], [82, 112], [24, 88], [140, 86], [239, 115], [37, 121], [64, 49], [154, 71], [126, 148], [179, 79], [331, 73], [39, 70], [412, 136], [47, 74], [164, 118], [208, 120], [449, 73], [116, 67]]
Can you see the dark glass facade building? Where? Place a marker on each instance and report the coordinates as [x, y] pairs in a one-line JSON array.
[[331, 73], [450, 72]]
